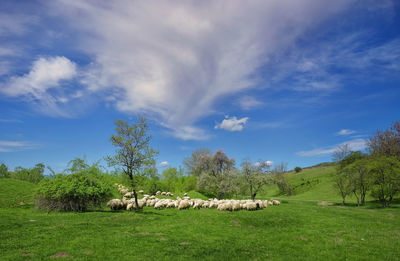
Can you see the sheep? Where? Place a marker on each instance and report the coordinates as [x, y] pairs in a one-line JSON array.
[[158, 193], [115, 204], [276, 202], [141, 191], [171, 204], [198, 204], [184, 204], [235, 205], [128, 194], [163, 193], [185, 194], [251, 206]]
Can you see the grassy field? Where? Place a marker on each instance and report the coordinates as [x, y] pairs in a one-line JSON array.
[[301, 228]]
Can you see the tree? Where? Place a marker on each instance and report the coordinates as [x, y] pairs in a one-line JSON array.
[[385, 173], [342, 176], [281, 180], [386, 143], [193, 162], [256, 175], [217, 173], [4, 171], [359, 176], [171, 176], [297, 169], [133, 151]]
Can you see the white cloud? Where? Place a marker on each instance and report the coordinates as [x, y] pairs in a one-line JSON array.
[[355, 145], [248, 102], [46, 73], [44, 77], [345, 132], [268, 163], [9, 146], [174, 60], [232, 124], [163, 164]]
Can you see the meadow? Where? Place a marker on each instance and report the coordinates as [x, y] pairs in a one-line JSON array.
[[311, 225]]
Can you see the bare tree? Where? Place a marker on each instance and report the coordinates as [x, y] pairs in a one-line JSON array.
[[281, 179], [192, 163]]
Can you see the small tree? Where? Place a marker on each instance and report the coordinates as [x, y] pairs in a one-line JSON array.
[[133, 151], [256, 176], [385, 173], [297, 169], [342, 176], [281, 179], [4, 171]]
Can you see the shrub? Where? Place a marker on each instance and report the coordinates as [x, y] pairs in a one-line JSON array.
[[4, 171], [74, 192], [298, 169]]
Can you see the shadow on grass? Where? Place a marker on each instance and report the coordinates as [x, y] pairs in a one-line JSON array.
[[374, 204]]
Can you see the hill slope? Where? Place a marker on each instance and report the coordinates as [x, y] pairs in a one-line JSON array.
[[15, 192]]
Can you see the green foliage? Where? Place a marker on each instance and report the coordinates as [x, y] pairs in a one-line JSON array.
[[86, 187], [297, 169], [4, 171], [385, 173], [34, 175]]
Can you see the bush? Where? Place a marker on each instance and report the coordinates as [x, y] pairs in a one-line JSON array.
[[298, 169], [74, 192], [34, 175], [4, 171]]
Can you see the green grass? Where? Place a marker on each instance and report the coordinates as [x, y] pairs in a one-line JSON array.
[[297, 230]]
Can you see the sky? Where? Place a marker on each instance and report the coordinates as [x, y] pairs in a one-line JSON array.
[[270, 80]]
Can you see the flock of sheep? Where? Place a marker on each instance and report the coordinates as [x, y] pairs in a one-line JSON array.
[[128, 202]]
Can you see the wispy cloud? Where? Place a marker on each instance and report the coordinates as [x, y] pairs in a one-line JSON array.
[[10, 120], [344, 132], [174, 60], [249, 102], [355, 145], [9, 146], [232, 124]]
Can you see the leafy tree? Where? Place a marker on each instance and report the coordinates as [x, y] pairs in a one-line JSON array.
[[4, 171], [171, 176], [217, 173], [385, 173], [193, 164], [34, 175], [255, 175], [342, 176], [359, 176], [133, 151], [281, 179], [297, 169]]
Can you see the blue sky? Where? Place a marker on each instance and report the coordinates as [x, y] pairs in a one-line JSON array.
[[283, 81]]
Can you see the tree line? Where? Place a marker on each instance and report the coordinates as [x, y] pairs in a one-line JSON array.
[[376, 172]]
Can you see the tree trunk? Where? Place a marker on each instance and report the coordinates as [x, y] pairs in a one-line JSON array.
[[358, 201], [343, 199], [220, 194], [136, 200], [253, 196]]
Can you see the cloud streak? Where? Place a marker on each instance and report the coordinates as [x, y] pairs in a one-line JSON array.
[[355, 145], [10, 146]]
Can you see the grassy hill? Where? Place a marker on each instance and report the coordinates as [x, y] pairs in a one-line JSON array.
[[15, 192], [298, 229]]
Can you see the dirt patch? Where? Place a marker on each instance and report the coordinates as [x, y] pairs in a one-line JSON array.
[[337, 233], [184, 243], [21, 203], [27, 254], [60, 255], [338, 241], [236, 223], [88, 253], [160, 234], [144, 233], [251, 226], [325, 203], [163, 238], [302, 238]]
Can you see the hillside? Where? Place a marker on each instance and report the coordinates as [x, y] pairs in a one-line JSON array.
[[15, 192], [310, 184]]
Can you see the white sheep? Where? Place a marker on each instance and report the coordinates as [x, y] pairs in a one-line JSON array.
[[251, 206], [184, 204], [276, 202], [115, 204]]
